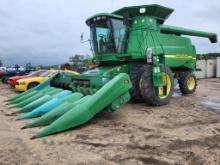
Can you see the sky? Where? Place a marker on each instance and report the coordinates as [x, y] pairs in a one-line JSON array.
[[46, 32]]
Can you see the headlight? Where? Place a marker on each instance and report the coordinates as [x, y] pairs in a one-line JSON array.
[[156, 69], [22, 83]]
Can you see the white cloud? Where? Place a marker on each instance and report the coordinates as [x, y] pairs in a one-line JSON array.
[[48, 31]]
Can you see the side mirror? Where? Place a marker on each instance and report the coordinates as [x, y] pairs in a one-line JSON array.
[[81, 37]]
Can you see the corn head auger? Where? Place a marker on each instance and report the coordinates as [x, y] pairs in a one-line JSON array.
[[137, 57]]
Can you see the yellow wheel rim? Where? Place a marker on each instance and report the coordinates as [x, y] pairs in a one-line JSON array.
[[163, 92], [191, 83]]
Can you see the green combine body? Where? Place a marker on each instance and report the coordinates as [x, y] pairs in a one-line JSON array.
[[137, 58]]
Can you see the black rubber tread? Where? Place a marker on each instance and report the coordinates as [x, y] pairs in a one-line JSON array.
[[183, 82], [32, 83], [55, 83], [5, 79], [135, 75], [149, 92]]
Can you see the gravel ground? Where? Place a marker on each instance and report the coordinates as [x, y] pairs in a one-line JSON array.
[[187, 131]]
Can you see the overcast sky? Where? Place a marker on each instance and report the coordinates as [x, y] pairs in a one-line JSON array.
[[48, 31]]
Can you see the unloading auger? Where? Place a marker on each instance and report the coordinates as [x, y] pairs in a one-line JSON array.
[[137, 59]]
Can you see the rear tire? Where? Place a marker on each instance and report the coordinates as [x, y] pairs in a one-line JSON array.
[[187, 82], [150, 93], [5, 79], [32, 85], [135, 76]]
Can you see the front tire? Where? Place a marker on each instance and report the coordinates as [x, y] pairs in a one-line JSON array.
[[135, 76], [5, 79], [156, 96], [187, 82], [32, 85]]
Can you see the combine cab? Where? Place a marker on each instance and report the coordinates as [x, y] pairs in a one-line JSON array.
[[137, 59]]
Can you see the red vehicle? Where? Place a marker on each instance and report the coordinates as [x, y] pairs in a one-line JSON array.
[[2, 72], [12, 80]]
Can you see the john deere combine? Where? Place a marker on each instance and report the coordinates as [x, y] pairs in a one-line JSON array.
[[137, 57]]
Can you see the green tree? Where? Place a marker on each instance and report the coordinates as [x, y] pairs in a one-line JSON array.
[[28, 66], [80, 61], [77, 61], [1, 64]]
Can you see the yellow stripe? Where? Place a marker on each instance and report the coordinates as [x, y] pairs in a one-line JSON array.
[[178, 56]]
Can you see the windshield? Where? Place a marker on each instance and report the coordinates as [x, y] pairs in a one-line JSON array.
[[36, 73], [45, 74], [31, 73], [108, 36]]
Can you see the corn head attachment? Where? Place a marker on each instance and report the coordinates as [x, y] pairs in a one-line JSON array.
[[111, 96], [78, 101]]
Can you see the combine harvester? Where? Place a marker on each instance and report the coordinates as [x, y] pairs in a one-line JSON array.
[[137, 59]]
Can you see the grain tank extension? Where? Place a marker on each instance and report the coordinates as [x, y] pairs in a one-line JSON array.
[[137, 58]]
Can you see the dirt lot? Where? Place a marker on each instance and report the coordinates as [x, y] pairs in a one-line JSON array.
[[187, 131]]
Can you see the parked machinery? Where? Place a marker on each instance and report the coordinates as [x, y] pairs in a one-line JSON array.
[[137, 59]]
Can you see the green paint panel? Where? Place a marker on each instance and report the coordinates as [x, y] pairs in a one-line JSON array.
[[82, 113], [146, 30], [53, 115]]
